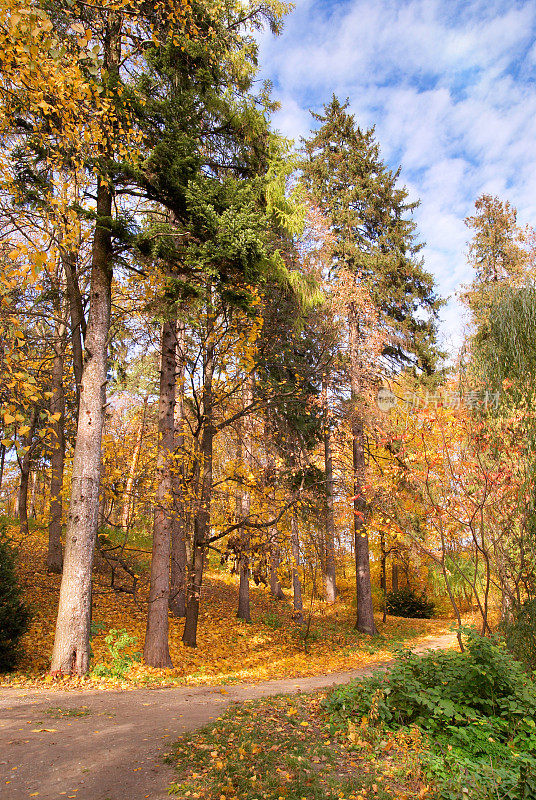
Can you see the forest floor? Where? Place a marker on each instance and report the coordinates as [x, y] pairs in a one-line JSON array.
[[118, 745], [229, 651]]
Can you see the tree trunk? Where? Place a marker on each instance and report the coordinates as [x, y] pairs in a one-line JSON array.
[[383, 574], [179, 529], [126, 513], [71, 645], [243, 509], [76, 311], [156, 649], [365, 616], [25, 468], [33, 495], [71, 651], [330, 589], [57, 457], [202, 514], [275, 558], [297, 599], [195, 580]]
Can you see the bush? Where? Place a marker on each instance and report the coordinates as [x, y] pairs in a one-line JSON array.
[[120, 661], [405, 603], [520, 634], [14, 615], [477, 709]]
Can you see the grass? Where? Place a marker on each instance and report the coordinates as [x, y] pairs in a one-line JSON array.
[[284, 748], [229, 651], [61, 713]]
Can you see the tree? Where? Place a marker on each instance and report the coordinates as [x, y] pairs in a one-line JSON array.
[[373, 248], [14, 615], [112, 30]]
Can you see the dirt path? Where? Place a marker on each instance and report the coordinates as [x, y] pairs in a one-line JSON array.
[[110, 745]]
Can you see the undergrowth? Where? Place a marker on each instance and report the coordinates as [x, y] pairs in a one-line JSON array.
[[475, 711], [282, 749]]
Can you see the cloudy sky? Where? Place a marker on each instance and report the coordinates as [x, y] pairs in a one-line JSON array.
[[450, 88]]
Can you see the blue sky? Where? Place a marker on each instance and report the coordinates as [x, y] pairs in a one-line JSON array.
[[450, 87]]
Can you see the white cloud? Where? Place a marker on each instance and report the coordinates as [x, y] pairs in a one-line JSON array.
[[448, 85]]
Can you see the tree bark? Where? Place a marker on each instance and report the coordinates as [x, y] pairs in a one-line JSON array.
[[71, 651], [156, 649], [33, 494], [126, 513], [76, 311], [365, 616], [71, 644], [57, 457], [330, 588], [202, 514], [275, 557], [25, 468], [243, 508], [383, 574], [179, 528], [297, 600]]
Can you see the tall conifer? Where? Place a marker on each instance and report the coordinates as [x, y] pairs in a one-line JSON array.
[[374, 241]]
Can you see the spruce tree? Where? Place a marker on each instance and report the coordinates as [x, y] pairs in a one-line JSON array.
[[374, 241], [14, 615]]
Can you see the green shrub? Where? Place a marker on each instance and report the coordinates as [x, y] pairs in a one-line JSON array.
[[520, 634], [405, 603], [119, 661], [14, 615], [477, 709]]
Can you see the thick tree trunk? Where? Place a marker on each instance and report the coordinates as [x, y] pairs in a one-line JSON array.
[[330, 589], [297, 600], [243, 509], [179, 529], [156, 649], [71, 645], [71, 650], [275, 558], [365, 616], [76, 311], [57, 457], [202, 514], [126, 513]]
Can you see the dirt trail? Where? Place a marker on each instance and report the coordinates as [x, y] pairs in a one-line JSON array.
[[109, 745]]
